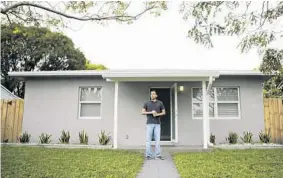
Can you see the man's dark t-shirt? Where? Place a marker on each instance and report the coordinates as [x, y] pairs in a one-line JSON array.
[[153, 105]]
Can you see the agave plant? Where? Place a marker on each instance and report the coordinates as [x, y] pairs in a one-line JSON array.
[[65, 137], [83, 137], [24, 138], [45, 138], [265, 137], [247, 137], [103, 138]]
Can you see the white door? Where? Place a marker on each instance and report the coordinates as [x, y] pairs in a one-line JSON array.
[[174, 113]]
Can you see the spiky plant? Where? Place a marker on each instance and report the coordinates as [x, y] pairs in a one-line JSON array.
[[103, 138], [65, 137], [83, 137], [247, 137], [45, 138], [24, 138]]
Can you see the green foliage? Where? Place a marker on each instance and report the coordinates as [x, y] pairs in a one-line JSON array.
[[40, 13], [65, 137], [45, 138], [230, 163], [212, 138], [24, 138], [32, 48], [103, 138], [272, 65], [247, 137], [90, 66], [37, 162], [83, 137], [232, 138], [265, 137], [253, 22]]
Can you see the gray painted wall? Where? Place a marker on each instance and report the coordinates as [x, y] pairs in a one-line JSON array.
[[51, 105], [48, 111]]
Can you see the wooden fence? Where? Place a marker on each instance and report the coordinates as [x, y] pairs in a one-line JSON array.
[[11, 119], [273, 116]]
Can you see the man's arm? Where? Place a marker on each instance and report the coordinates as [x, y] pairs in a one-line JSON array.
[[144, 112], [163, 112]]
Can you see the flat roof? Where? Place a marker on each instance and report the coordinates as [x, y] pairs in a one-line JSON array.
[[137, 73]]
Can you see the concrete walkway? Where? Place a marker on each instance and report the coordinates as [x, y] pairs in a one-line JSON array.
[[159, 168]]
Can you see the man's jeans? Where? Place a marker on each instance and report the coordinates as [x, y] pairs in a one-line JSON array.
[[150, 128]]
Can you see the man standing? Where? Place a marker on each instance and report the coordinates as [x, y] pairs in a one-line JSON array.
[[153, 109]]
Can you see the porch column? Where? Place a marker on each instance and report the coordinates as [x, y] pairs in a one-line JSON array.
[[115, 142], [205, 115]]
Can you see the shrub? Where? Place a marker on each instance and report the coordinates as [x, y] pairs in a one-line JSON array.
[[45, 138], [265, 137], [232, 138], [83, 137], [24, 138], [103, 138], [212, 138], [247, 137], [65, 137]]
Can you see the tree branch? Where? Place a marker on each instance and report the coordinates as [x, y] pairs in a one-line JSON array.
[[6, 10]]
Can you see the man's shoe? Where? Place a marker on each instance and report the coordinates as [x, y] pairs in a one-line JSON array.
[[159, 157], [148, 158]]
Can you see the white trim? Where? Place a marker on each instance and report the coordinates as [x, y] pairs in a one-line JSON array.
[[176, 111], [205, 114], [91, 118], [115, 142], [89, 102]]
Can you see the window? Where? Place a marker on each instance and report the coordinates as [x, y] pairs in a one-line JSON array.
[[223, 102], [90, 102]]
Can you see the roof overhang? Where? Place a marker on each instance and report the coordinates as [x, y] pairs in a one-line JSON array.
[[142, 74], [161, 76]]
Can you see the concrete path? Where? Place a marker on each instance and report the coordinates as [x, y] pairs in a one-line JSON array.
[[159, 168]]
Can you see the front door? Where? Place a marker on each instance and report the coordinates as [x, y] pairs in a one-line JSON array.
[[164, 96]]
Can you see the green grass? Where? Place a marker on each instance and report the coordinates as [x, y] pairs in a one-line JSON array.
[[231, 163], [50, 162]]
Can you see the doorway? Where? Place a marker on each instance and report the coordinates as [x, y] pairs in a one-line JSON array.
[[164, 96]]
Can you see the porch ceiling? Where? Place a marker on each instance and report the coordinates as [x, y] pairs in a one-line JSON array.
[[161, 76]]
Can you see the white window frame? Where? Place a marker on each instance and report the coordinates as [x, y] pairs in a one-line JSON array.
[[91, 102], [215, 102]]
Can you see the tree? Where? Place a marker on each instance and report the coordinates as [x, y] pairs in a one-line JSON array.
[[272, 64], [48, 13], [35, 49], [90, 66], [257, 24]]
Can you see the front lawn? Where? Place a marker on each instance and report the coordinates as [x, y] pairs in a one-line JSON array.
[[231, 163], [50, 162]]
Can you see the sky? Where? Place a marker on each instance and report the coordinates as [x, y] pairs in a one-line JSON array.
[[157, 43]]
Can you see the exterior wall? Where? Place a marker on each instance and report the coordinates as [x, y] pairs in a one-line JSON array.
[[51, 105], [132, 95]]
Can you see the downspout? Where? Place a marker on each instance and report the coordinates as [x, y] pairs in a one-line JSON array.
[[211, 79]]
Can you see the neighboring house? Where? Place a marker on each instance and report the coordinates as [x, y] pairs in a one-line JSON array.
[[112, 100], [6, 94]]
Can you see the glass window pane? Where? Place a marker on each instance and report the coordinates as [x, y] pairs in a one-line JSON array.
[[228, 110], [227, 94], [90, 94], [198, 108], [197, 95], [90, 109]]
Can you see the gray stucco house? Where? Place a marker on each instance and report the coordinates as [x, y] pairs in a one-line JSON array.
[[112, 100]]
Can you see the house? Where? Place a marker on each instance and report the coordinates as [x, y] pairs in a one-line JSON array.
[[112, 100], [6, 94]]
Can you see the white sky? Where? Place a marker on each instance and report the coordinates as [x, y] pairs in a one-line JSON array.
[[157, 43]]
